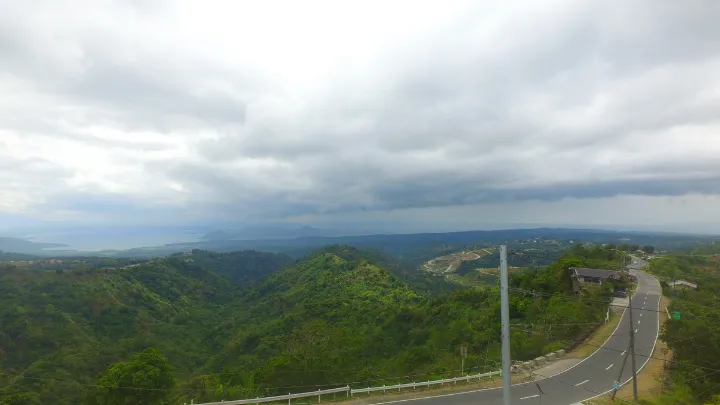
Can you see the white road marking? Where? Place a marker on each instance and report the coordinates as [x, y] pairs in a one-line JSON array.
[[635, 330], [623, 353], [608, 367], [531, 396], [579, 384], [638, 322], [640, 314]]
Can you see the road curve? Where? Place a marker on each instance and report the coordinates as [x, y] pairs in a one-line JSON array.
[[594, 375]]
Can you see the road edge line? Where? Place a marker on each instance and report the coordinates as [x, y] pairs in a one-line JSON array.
[[657, 335]]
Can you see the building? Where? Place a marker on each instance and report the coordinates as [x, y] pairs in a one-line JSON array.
[[593, 276], [683, 285]]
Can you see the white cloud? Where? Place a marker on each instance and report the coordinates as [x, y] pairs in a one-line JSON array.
[[282, 108]]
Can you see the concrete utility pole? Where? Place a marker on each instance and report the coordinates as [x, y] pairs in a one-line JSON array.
[[505, 318]]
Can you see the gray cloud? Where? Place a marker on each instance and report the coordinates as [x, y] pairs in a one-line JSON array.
[[572, 100]]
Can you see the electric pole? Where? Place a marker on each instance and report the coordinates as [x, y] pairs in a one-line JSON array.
[[505, 318]]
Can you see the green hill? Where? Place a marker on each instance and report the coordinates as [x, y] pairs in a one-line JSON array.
[[337, 316], [243, 268], [340, 316], [69, 325]]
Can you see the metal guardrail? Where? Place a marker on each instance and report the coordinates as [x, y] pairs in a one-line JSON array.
[[350, 391], [423, 383], [287, 397]]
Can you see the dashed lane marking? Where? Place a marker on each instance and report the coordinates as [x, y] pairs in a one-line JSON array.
[[608, 367], [579, 384]]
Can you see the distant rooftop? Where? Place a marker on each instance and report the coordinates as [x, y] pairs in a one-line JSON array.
[[600, 273]]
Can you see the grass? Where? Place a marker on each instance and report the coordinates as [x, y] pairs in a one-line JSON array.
[[598, 337]]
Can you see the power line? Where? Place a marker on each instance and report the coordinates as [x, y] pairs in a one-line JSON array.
[[575, 298], [580, 342]]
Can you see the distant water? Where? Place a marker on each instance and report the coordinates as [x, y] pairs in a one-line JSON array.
[[112, 240]]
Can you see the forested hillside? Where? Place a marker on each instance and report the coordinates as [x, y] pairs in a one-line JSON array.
[[694, 371], [243, 268], [340, 315], [68, 325]]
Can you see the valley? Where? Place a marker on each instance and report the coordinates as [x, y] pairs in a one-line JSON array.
[[244, 324]]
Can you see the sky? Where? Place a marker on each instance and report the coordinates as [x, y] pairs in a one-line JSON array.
[[452, 114]]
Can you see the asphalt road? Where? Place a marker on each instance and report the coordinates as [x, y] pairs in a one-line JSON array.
[[594, 375]]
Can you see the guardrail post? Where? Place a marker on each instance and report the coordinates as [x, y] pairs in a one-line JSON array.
[[288, 399], [318, 397]]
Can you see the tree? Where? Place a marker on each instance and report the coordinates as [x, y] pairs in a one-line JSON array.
[[20, 399], [648, 249], [146, 379]]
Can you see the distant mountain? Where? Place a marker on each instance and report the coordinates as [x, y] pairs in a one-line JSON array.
[[8, 256], [273, 232], [402, 244], [16, 245], [398, 245]]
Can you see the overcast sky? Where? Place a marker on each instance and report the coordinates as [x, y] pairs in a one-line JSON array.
[[462, 112]]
